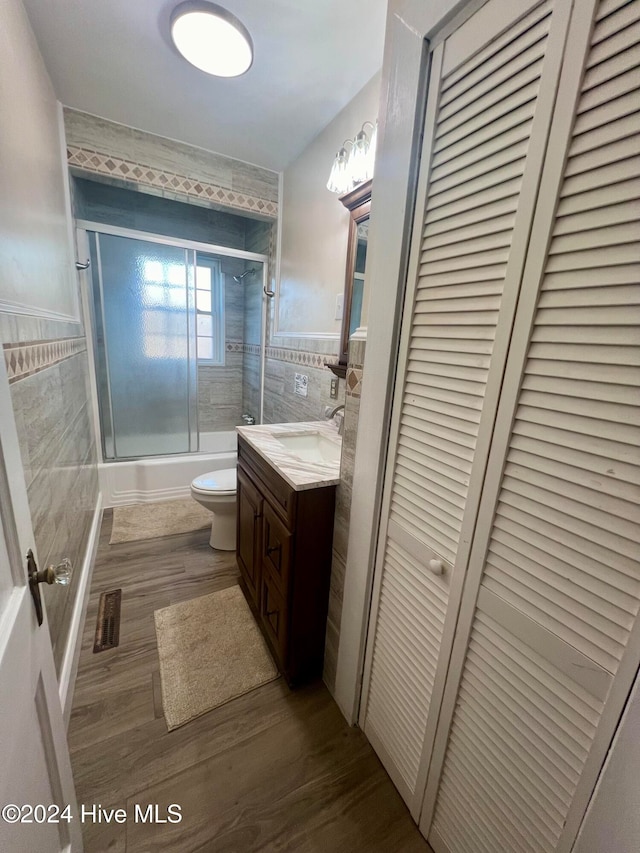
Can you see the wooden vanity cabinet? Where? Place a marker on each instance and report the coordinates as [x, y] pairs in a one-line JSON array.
[[284, 542]]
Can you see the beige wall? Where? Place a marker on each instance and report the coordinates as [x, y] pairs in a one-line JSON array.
[[315, 226], [35, 253]]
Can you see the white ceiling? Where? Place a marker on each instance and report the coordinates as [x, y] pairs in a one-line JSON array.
[[113, 58]]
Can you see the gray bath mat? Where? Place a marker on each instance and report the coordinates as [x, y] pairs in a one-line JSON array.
[[211, 651], [148, 521]]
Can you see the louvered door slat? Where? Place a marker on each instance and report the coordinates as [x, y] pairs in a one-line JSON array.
[[484, 117], [621, 148], [557, 568], [408, 629], [622, 40], [497, 678]]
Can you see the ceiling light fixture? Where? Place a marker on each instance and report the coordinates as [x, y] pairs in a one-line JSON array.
[[211, 38], [353, 167]]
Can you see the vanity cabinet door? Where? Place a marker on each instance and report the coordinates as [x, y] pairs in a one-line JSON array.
[[276, 548], [249, 537], [273, 611]]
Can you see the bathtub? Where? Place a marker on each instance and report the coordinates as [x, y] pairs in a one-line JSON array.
[[161, 478]]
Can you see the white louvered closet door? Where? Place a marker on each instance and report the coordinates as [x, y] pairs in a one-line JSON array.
[[541, 672], [490, 102]]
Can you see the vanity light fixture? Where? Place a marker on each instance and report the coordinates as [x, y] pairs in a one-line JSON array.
[[340, 177], [211, 38], [354, 167]]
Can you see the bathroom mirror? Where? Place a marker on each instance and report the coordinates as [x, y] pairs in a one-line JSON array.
[[358, 203]]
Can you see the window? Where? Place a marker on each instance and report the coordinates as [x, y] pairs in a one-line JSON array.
[[209, 312]]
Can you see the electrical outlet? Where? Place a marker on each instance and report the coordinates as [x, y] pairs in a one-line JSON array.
[[339, 306], [334, 388], [301, 385]]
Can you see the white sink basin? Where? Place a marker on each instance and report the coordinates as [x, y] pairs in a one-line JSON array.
[[310, 446]]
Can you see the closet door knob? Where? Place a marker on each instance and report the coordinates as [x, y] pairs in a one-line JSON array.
[[436, 567]]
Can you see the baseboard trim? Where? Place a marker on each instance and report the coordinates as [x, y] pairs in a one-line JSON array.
[[69, 668]]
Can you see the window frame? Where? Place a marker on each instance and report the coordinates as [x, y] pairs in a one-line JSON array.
[[217, 312]]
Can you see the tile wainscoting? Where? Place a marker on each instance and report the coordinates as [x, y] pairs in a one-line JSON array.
[[281, 403], [50, 397], [343, 509]]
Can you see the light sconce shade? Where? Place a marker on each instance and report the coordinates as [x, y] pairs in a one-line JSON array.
[[352, 168], [340, 177], [211, 38]]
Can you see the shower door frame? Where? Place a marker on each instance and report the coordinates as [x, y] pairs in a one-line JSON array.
[[83, 227]]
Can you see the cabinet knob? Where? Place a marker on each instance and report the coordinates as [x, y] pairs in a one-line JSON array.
[[272, 548]]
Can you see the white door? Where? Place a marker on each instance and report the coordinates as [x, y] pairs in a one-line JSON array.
[[35, 776], [489, 107], [548, 637]]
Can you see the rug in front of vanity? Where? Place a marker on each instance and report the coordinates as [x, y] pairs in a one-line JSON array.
[[211, 651], [150, 520]]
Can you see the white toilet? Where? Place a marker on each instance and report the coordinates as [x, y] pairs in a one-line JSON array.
[[216, 491]]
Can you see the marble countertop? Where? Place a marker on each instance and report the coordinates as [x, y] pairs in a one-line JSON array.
[[300, 474]]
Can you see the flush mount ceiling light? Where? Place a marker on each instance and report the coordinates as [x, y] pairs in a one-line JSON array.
[[211, 38]]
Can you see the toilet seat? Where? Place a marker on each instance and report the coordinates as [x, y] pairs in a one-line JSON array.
[[222, 482]]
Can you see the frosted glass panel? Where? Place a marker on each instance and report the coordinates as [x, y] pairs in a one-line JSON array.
[[146, 314]]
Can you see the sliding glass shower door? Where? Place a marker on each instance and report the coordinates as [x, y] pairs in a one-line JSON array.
[[145, 331]]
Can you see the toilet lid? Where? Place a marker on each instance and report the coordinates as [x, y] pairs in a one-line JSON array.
[[221, 482]]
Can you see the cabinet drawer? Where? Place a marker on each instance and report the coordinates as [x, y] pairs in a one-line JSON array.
[[276, 547], [273, 611]]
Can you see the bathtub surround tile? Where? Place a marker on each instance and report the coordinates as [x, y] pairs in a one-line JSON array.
[[259, 235], [162, 166], [96, 201], [220, 391], [353, 384], [251, 382]]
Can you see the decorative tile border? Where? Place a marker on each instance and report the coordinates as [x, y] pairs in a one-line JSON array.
[[311, 359], [26, 359], [140, 173], [354, 381], [240, 346]]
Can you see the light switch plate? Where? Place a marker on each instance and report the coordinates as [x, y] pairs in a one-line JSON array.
[[339, 306], [301, 386]]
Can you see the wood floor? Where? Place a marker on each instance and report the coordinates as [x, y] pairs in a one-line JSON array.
[[274, 770]]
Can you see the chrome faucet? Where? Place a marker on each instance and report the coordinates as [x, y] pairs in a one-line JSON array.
[[330, 413]]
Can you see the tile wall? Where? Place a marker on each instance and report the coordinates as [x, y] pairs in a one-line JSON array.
[[48, 373], [220, 388], [343, 508], [164, 167], [286, 356]]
